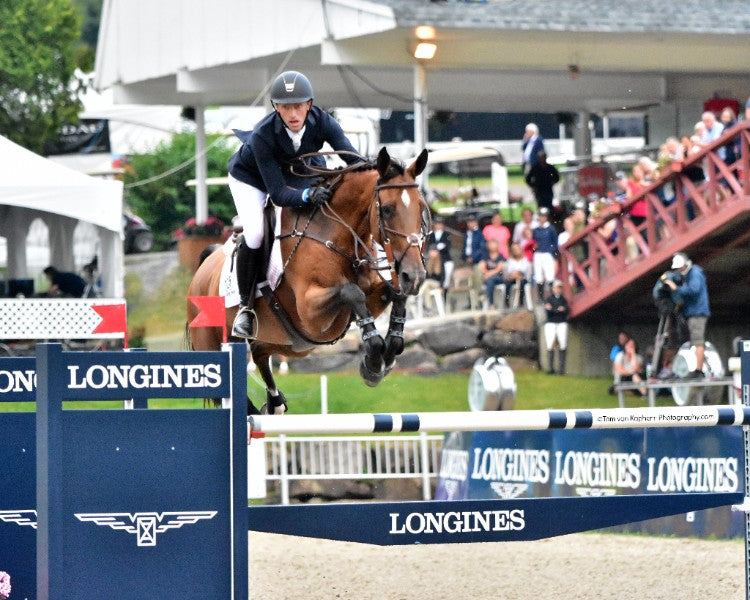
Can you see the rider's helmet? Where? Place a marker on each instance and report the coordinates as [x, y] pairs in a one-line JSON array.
[[291, 87]]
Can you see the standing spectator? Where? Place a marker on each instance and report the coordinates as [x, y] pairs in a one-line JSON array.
[[532, 145], [628, 366], [441, 239], [747, 110], [541, 178], [495, 230], [545, 237], [474, 246], [729, 120], [517, 273], [62, 283], [621, 187], [556, 327], [491, 268], [692, 294], [528, 221], [713, 132], [529, 245]]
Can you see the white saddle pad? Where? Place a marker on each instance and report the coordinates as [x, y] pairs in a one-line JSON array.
[[228, 283]]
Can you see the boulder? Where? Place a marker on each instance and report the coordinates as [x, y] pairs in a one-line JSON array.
[[520, 320], [308, 490], [449, 338], [510, 343], [461, 361], [417, 358], [321, 363]]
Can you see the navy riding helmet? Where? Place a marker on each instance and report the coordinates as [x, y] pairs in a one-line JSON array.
[[291, 87]]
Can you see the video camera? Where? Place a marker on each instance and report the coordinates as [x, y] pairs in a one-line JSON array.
[[662, 293]]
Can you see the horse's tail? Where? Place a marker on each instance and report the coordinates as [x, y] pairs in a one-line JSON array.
[[207, 251], [187, 342]]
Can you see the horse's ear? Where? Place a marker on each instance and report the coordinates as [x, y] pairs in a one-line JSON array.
[[418, 165], [384, 161]]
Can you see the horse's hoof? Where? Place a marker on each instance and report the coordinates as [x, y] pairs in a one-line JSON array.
[[275, 405], [371, 378]]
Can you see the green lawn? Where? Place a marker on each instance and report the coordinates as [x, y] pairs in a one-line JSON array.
[[401, 392]]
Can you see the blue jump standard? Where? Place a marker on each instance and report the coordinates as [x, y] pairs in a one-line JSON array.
[[460, 521]]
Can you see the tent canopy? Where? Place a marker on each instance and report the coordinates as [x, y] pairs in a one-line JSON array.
[[32, 187]]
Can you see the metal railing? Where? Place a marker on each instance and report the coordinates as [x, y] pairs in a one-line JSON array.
[[292, 458], [680, 207]]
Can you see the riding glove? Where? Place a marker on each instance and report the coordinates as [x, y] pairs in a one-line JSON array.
[[316, 195]]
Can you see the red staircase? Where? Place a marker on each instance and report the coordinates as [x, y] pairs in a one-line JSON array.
[[708, 219]]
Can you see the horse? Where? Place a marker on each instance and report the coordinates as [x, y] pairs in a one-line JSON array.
[[333, 272]]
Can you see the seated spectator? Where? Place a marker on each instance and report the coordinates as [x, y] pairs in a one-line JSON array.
[[475, 246], [628, 366], [497, 231], [528, 245], [622, 337], [491, 268], [64, 284], [528, 221], [435, 266], [516, 274]]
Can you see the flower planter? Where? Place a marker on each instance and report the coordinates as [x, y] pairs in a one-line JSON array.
[[190, 247]]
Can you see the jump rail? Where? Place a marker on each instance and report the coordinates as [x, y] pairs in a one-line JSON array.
[[605, 418]]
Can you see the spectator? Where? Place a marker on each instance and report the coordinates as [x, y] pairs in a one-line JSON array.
[[621, 185], [545, 237], [541, 178], [649, 170], [747, 110], [441, 239], [528, 221], [628, 366], [619, 346], [532, 145], [475, 247], [495, 230], [64, 284], [732, 147], [635, 186], [529, 245], [692, 294], [491, 268], [556, 327], [517, 273], [435, 267], [713, 131]]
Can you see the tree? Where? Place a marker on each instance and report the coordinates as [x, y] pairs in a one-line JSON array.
[[37, 63], [166, 203]]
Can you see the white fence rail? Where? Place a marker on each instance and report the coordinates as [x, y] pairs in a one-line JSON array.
[[292, 458]]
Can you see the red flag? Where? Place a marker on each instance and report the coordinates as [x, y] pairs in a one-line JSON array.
[[211, 313], [114, 318]]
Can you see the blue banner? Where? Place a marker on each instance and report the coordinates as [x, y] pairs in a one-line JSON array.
[[537, 464]]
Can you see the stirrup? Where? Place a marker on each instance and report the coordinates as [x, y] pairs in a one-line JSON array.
[[252, 324]]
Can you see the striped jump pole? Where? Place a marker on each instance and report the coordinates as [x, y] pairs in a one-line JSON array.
[[431, 422]]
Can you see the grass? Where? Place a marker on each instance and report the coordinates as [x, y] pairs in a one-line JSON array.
[[162, 312]]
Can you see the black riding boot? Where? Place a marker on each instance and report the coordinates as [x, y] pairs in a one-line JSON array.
[[551, 362], [247, 273], [561, 366]]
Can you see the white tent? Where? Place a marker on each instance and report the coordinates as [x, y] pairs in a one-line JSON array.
[[33, 187]]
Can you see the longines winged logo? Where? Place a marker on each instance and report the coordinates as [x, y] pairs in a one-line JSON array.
[[19, 517], [146, 524], [508, 490]]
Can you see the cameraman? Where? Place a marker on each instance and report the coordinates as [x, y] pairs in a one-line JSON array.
[[673, 326], [692, 294]]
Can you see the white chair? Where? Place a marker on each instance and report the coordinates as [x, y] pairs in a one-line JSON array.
[[499, 295]]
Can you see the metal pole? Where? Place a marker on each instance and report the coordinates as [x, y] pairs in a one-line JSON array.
[[323, 394], [420, 114], [201, 189], [424, 450], [283, 470], [745, 369]]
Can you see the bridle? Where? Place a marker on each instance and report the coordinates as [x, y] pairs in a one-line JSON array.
[[365, 254], [414, 240]]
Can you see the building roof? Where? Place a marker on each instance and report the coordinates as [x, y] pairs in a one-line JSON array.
[[617, 16]]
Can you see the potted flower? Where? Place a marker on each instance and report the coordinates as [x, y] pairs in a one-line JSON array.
[[4, 585], [193, 237]]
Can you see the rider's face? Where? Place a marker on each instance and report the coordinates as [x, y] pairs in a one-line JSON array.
[[294, 115]]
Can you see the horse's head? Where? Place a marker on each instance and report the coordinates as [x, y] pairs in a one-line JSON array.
[[400, 220]]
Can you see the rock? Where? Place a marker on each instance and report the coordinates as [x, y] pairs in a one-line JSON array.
[[460, 361], [349, 343], [308, 490], [397, 489], [449, 338], [323, 363], [417, 358], [521, 320], [510, 343]]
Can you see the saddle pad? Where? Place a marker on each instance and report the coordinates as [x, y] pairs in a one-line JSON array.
[[228, 283]]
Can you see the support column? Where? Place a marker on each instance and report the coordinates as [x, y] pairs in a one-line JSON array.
[[420, 115], [201, 189], [583, 134]]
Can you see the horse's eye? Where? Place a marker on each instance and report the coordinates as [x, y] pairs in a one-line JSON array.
[[388, 212]]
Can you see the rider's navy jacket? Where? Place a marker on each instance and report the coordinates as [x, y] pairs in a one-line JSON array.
[[267, 153]]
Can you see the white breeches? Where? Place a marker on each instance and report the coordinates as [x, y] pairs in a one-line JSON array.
[[249, 202], [556, 330], [544, 267]]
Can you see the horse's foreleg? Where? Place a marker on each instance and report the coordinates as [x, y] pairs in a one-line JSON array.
[[394, 339], [372, 367], [275, 400]]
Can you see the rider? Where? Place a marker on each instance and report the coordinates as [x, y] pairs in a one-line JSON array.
[[262, 166]]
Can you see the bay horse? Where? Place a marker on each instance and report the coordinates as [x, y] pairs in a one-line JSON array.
[[333, 272]]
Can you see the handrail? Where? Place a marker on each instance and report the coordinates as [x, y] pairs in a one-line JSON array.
[[589, 261]]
